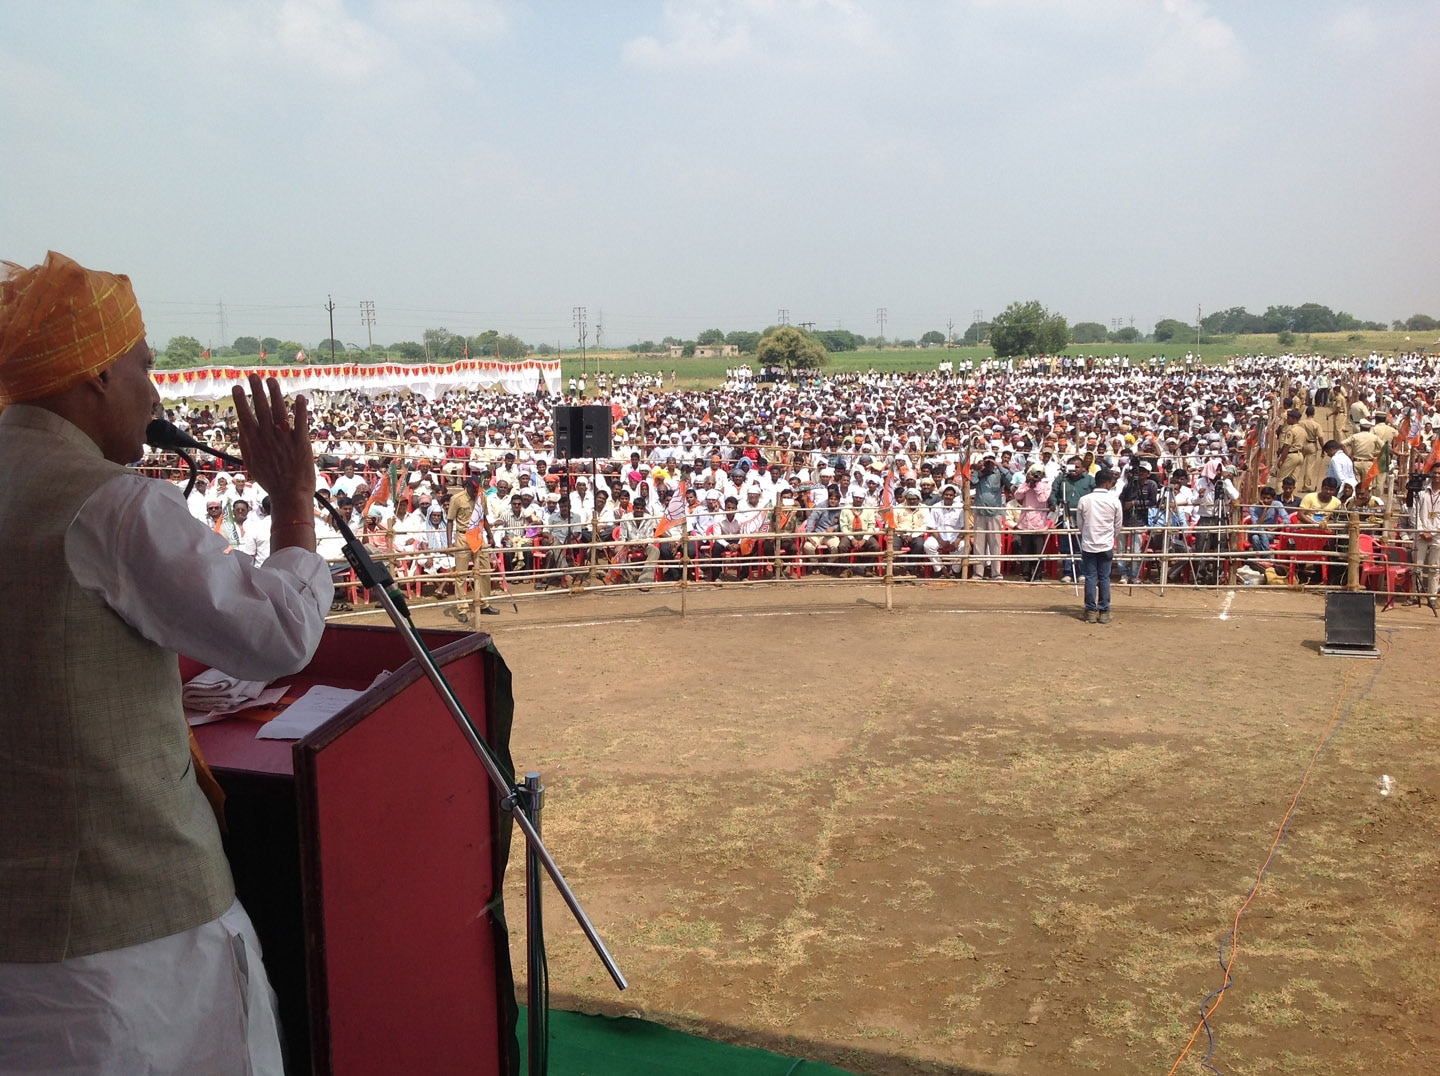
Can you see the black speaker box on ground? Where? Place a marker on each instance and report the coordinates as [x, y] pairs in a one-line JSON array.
[[1350, 624]]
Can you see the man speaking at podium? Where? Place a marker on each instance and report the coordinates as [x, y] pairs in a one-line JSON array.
[[122, 946]]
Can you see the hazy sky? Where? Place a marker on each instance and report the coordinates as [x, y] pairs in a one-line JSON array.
[[677, 166]]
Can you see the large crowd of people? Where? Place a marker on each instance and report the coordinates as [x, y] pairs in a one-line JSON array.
[[978, 471]]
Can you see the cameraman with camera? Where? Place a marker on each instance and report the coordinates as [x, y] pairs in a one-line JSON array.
[[1033, 496], [1064, 498]]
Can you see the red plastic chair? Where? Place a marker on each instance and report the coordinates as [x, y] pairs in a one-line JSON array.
[[1387, 565]]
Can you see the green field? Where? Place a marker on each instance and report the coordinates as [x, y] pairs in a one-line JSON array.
[[706, 373]]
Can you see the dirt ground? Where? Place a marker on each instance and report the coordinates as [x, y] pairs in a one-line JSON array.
[[975, 835]]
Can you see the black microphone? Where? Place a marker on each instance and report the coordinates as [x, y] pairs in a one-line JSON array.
[[169, 437]]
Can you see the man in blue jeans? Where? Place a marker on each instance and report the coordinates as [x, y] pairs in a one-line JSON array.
[[1098, 517]]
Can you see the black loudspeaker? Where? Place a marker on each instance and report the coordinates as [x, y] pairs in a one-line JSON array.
[[582, 432], [595, 441], [1350, 624], [566, 421]]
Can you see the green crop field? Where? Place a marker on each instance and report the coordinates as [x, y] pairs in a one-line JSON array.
[[707, 373]]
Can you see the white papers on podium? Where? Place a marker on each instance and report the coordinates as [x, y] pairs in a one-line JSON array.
[[311, 710], [308, 713]]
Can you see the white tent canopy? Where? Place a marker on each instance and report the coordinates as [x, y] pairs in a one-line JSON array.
[[424, 379]]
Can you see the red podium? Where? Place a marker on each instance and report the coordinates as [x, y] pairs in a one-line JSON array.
[[371, 856]]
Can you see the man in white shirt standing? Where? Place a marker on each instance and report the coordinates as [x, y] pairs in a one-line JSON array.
[[1427, 535], [1098, 517], [122, 945]]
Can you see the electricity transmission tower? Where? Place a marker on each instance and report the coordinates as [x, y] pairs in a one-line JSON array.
[[367, 318], [582, 331], [881, 314]]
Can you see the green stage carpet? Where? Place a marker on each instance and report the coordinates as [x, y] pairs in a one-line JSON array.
[[583, 1045]]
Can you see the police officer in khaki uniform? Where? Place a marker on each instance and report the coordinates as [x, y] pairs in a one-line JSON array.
[[1290, 449], [1314, 468], [462, 507], [1362, 447]]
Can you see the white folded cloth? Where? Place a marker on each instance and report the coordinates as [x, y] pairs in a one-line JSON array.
[[214, 690]]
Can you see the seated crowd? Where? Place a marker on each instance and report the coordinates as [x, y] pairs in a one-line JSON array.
[[852, 475]]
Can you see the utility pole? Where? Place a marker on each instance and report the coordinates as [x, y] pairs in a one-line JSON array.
[[367, 318], [330, 308], [783, 315], [581, 331], [950, 332], [978, 319], [881, 314], [224, 336], [808, 326]]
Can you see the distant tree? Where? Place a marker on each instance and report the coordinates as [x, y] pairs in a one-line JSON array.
[[790, 348], [246, 345], [670, 341], [710, 337], [182, 351], [1284, 338], [1127, 335], [1171, 329], [1421, 323], [905, 343], [1028, 329], [511, 347], [287, 349], [687, 349], [1397, 326], [976, 334], [932, 338], [1278, 319], [646, 347], [747, 342], [321, 353], [839, 340], [435, 340], [544, 349], [1089, 332], [1314, 318], [409, 350]]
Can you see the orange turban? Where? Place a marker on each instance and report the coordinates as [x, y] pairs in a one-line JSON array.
[[59, 324]]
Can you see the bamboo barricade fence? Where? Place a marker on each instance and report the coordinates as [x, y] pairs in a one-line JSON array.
[[1336, 561]]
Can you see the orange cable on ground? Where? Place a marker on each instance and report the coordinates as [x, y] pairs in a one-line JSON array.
[[1234, 935]]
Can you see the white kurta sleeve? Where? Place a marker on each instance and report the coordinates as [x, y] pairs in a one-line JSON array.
[[181, 585]]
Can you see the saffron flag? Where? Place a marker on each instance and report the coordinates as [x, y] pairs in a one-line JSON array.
[[381, 492], [475, 526]]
